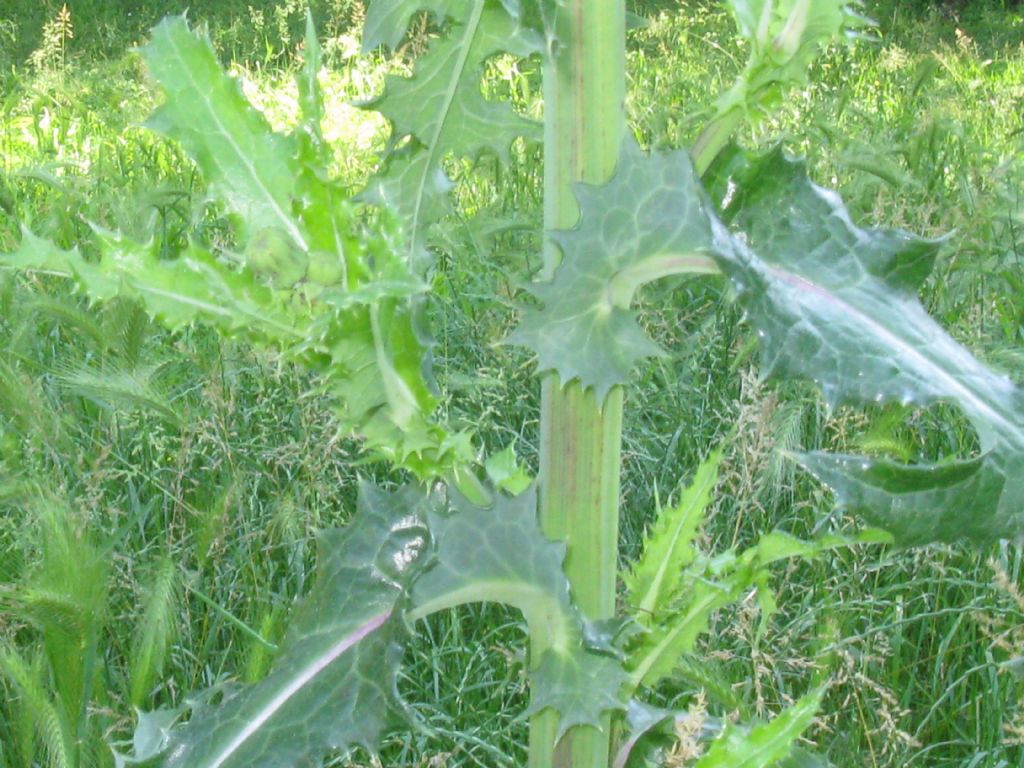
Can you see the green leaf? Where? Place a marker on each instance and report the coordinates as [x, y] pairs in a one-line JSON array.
[[831, 302], [676, 633], [668, 547], [194, 287], [708, 584], [315, 279], [246, 164], [416, 191], [499, 554], [838, 304], [311, 98], [641, 719], [579, 684], [441, 104], [651, 219], [504, 471], [764, 745], [440, 110], [387, 20], [334, 685], [784, 38]]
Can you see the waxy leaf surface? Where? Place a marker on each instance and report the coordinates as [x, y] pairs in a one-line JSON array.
[[334, 685], [838, 304], [499, 554], [649, 220], [832, 303]]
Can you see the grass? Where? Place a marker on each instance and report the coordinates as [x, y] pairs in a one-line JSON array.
[[197, 473]]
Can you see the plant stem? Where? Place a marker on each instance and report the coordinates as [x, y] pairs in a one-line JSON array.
[[584, 90], [714, 138]]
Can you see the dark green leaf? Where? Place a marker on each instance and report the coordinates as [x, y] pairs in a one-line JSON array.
[[650, 220], [499, 554], [838, 304], [334, 685]]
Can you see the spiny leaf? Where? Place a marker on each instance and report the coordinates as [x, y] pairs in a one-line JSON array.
[[440, 109], [441, 104], [499, 554], [649, 220], [676, 633], [246, 164], [313, 278], [417, 190], [194, 287], [506, 473], [832, 302], [387, 20], [975, 500], [837, 304], [764, 745], [577, 683], [334, 685], [710, 583], [668, 549]]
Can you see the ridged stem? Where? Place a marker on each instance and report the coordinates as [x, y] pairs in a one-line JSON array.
[[584, 90]]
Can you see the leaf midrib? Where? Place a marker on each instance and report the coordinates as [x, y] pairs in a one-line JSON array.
[[246, 163]]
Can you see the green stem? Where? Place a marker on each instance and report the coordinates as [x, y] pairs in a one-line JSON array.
[[627, 282], [584, 84], [714, 138]]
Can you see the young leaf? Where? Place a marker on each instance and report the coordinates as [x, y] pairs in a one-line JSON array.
[[784, 37], [765, 744], [499, 554], [708, 584], [505, 472], [668, 548], [334, 685], [676, 632]]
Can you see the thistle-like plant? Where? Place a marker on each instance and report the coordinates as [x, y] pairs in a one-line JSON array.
[[337, 285]]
